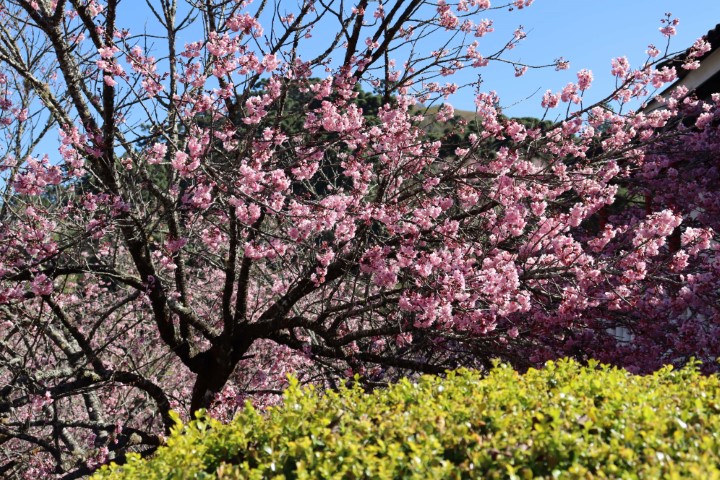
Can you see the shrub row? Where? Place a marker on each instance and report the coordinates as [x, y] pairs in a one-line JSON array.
[[564, 421]]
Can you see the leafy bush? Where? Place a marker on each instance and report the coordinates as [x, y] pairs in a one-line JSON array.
[[564, 421]]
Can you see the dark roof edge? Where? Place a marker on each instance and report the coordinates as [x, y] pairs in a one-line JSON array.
[[712, 36]]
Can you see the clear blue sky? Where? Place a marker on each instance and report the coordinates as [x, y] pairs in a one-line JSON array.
[[589, 34]]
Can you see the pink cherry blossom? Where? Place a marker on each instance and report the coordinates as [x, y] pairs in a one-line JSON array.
[[227, 209]]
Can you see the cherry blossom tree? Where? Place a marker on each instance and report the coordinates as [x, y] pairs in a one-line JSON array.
[[197, 233]]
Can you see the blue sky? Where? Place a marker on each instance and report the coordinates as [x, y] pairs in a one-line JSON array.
[[589, 34]]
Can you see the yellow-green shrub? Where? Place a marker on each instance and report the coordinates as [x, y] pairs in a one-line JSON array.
[[564, 421]]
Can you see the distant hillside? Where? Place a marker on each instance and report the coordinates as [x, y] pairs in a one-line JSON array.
[[465, 114], [432, 126]]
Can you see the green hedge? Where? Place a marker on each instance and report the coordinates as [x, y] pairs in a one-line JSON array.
[[564, 421]]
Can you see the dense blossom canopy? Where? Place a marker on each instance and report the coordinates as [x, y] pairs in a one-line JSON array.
[[200, 232]]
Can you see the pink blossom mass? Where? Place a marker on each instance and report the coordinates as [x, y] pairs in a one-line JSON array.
[[221, 207]]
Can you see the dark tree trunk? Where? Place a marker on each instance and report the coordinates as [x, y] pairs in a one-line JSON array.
[[209, 382], [675, 240], [214, 369]]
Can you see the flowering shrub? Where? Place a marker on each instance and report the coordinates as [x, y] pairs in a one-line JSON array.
[[196, 232], [563, 421]]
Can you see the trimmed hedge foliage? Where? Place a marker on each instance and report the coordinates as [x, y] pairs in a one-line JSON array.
[[564, 421]]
